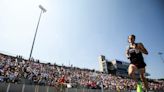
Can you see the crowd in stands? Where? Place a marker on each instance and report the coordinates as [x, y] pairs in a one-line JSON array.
[[16, 69]]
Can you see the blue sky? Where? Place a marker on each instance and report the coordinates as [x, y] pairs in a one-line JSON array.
[[78, 31]]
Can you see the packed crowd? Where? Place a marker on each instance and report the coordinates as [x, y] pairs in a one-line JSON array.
[[14, 69]]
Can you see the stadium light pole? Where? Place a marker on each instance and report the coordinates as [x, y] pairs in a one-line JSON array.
[[160, 54], [43, 10]]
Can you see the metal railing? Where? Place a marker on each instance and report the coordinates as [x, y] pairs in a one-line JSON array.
[[11, 87]]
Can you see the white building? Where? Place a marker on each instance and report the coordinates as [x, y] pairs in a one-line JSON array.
[[116, 67]]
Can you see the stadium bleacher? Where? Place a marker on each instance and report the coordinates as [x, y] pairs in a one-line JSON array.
[[19, 71]]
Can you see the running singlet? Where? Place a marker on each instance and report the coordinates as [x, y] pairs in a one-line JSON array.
[[136, 57]]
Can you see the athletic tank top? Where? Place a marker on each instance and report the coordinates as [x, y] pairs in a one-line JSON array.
[[135, 56]]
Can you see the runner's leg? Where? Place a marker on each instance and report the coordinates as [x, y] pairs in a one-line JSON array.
[[142, 76]]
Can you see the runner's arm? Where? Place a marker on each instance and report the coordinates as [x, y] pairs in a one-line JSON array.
[[142, 48], [127, 53]]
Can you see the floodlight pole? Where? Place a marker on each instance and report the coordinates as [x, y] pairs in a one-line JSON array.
[[43, 10]]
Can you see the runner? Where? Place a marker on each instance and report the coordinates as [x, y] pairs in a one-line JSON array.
[[134, 53]]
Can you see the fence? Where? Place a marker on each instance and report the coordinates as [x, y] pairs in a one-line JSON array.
[[11, 87]]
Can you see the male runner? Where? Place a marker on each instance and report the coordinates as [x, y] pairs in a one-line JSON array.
[[134, 53]]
